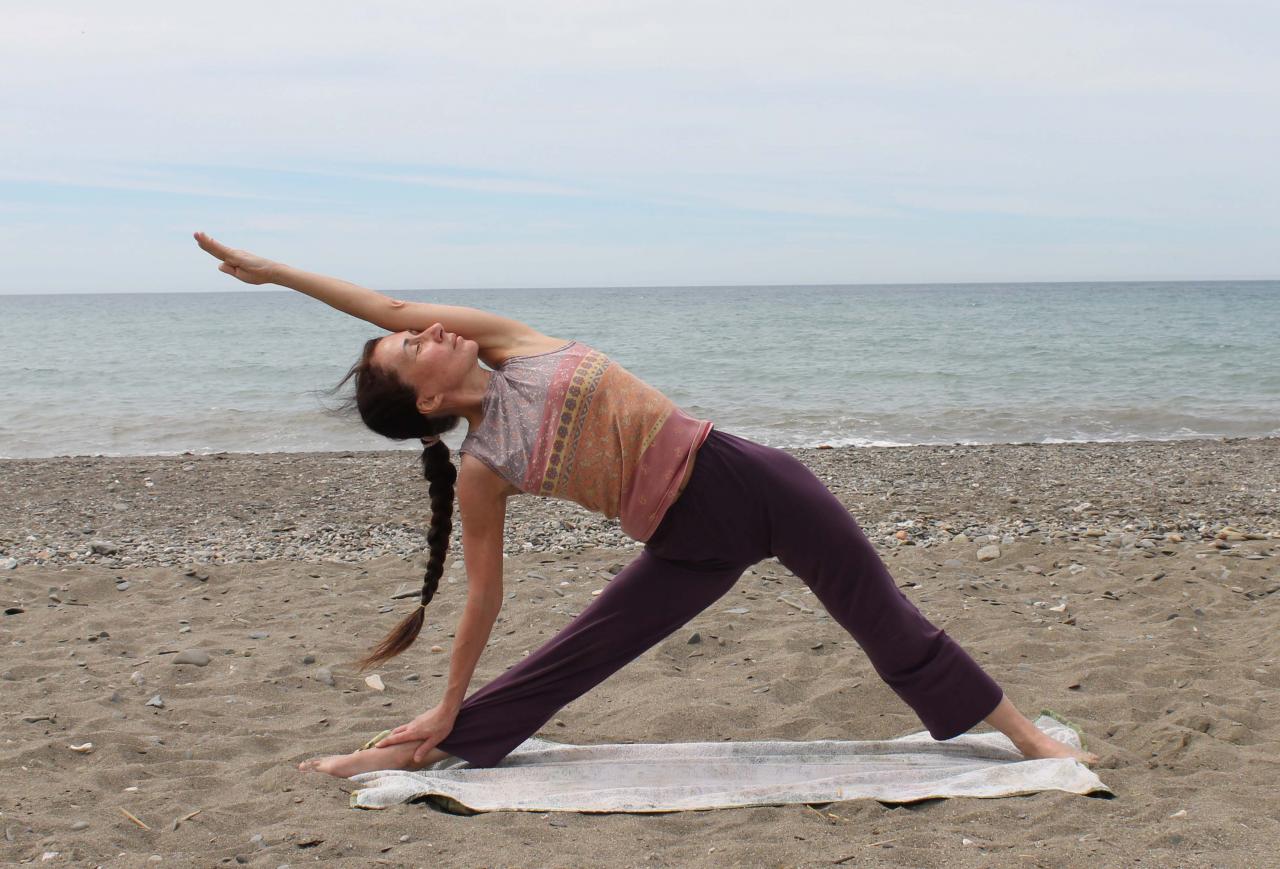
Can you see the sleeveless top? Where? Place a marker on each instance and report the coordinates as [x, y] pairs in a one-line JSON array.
[[573, 424]]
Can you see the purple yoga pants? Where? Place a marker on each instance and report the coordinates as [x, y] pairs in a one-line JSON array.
[[744, 503]]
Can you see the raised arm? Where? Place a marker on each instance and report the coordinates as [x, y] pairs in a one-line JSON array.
[[497, 336]]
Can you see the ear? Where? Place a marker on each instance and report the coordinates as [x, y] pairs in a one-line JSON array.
[[429, 404]]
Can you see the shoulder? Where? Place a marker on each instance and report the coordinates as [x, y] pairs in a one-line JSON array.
[[478, 483]]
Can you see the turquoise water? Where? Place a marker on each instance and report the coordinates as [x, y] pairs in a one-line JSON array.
[[121, 374]]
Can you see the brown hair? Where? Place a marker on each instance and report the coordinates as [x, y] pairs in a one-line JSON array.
[[388, 405]]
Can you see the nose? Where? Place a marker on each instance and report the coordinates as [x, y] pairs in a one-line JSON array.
[[434, 332]]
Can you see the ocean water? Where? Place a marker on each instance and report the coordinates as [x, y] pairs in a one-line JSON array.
[[124, 374]]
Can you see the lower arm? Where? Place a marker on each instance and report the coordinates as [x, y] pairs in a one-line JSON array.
[[468, 644], [347, 297]]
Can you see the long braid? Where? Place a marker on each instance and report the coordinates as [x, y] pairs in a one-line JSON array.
[[440, 475]]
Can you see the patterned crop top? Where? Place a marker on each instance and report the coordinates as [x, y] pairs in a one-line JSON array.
[[573, 424]]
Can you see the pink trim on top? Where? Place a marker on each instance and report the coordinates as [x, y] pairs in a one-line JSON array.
[[648, 498], [549, 423]]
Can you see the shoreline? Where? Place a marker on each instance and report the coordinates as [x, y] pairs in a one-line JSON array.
[[170, 454], [225, 508]]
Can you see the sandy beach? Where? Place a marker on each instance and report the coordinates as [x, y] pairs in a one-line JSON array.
[[1130, 587]]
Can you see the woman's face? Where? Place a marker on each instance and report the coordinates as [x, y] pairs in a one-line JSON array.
[[433, 361]]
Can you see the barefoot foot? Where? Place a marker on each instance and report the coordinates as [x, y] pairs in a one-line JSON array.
[[370, 759], [1045, 745]]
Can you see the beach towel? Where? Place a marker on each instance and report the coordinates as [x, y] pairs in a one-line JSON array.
[[545, 776]]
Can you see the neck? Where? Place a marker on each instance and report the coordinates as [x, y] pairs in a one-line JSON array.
[[468, 400]]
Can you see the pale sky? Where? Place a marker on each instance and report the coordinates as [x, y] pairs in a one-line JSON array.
[[610, 143]]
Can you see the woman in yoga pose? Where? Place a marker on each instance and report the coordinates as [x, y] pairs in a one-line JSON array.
[[558, 418]]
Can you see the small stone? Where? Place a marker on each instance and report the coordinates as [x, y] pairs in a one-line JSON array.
[[8, 563], [103, 547], [374, 681], [966, 841], [989, 553], [1093, 532], [404, 838], [156, 701], [122, 585], [1181, 813], [738, 610], [694, 638], [137, 678], [79, 825], [325, 676], [194, 657], [437, 648], [256, 839], [308, 659], [816, 646], [85, 748], [406, 591], [259, 635]]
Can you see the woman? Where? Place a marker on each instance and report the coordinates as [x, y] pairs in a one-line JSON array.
[[558, 418]]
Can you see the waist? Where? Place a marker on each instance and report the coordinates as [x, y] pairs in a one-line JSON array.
[[693, 457]]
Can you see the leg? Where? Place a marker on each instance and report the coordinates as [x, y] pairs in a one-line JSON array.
[[645, 602], [816, 538], [1030, 740]]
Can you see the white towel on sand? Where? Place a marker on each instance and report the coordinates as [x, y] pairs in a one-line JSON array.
[[544, 776]]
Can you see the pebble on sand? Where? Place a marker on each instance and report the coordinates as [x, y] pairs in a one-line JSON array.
[[156, 701], [194, 657], [989, 553], [374, 681]]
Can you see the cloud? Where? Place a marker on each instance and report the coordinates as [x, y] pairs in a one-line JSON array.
[[623, 124]]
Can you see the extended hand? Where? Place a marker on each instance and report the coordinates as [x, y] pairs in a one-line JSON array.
[[250, 268], [431, 727]]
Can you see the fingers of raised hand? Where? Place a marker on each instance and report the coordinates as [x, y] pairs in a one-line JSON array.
[[217, 248]]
